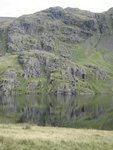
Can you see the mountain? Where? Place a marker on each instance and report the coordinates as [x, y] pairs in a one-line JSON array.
[[59, 51]]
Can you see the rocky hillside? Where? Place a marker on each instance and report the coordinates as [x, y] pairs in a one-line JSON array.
[[4, 24], [60, 51]]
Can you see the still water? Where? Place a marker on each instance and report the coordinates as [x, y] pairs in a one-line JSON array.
[[69, 111]]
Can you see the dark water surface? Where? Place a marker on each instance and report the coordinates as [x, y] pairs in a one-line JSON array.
[[80, 111]]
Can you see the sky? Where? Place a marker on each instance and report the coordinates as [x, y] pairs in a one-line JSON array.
[[16, 8]]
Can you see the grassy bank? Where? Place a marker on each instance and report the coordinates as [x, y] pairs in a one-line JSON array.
[[27, 137]]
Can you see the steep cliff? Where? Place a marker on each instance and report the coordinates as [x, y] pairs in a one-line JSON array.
[[60, 51]]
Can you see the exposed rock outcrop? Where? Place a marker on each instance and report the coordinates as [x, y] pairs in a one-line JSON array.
[[60, 51], [64, 77], [9, 82]]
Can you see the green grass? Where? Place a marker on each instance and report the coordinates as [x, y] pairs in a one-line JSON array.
[[40, 138], [5, 40], [85, 56], [100, 59], [42, 81], [9, 62]]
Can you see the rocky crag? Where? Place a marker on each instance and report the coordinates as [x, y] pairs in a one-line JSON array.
[[59, 51]]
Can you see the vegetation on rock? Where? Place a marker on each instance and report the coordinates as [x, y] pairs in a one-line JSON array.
[[60, 51]]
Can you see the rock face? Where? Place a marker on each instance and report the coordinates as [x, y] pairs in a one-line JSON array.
[[9, 82], [60, 51], [55, 30], [63, 75], [46, 64], [4, 23], [45, 30]]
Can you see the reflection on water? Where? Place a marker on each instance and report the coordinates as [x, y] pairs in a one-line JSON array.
[[81, 111]]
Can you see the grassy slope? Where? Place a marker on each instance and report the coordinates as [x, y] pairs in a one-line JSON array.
[[9, 62], [99, 58], [26, 137]]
